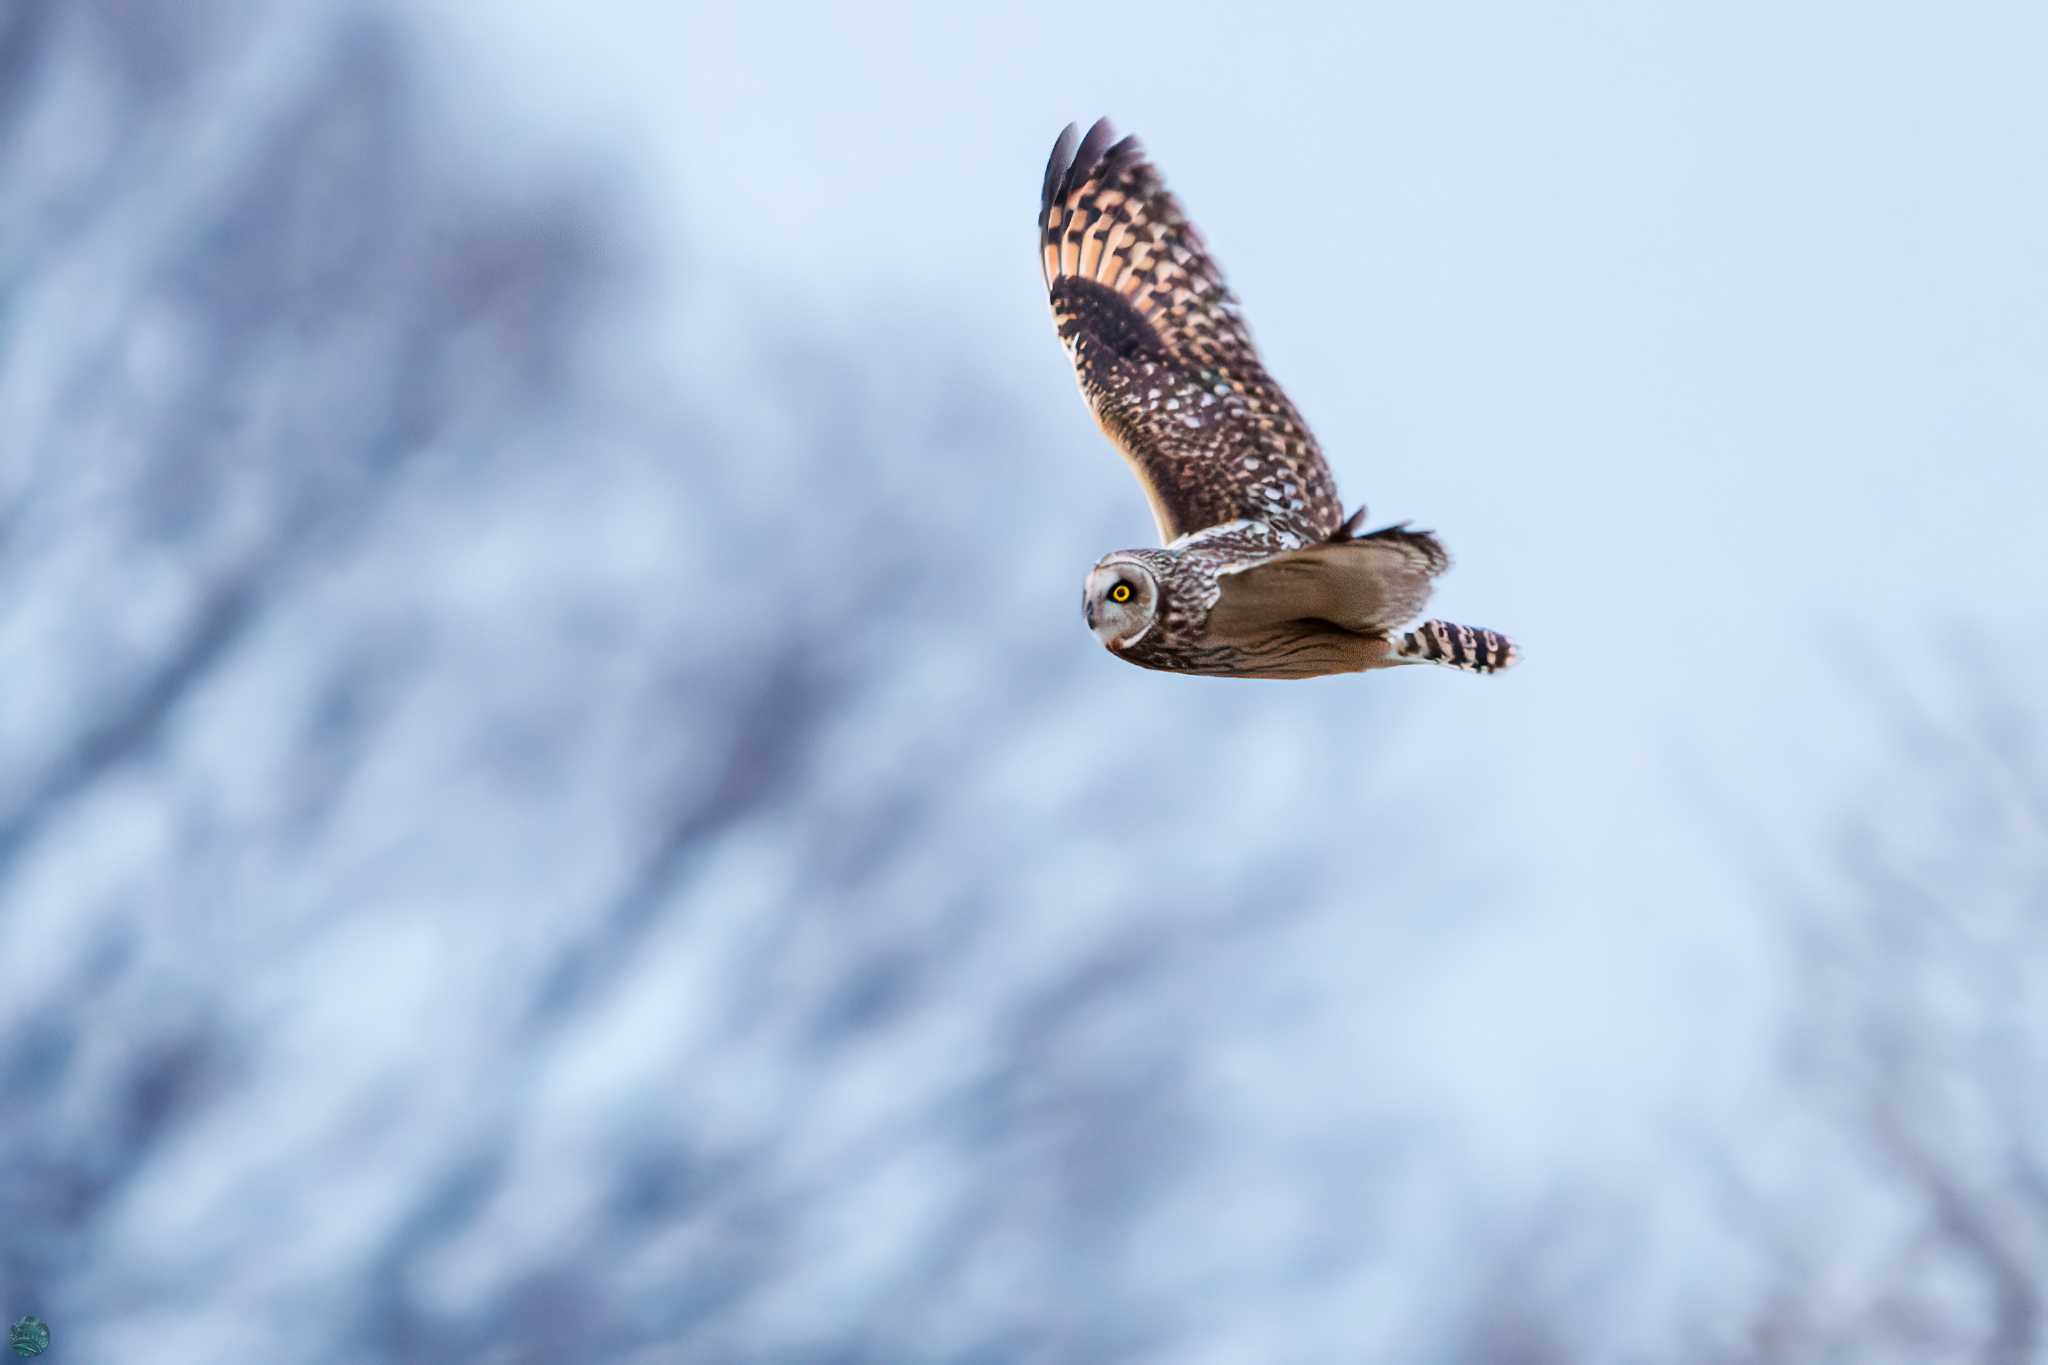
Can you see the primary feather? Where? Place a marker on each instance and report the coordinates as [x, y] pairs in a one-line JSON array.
[[1163, 355]]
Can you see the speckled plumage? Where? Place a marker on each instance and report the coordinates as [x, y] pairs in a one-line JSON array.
[[1262, 575]]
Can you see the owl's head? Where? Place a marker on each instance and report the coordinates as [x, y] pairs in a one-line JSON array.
[[1121, 601]]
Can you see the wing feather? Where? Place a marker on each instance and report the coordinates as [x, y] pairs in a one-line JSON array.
[[1372, 584], [1163, 355]]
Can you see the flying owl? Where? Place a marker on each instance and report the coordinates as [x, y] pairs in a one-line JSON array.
[[1262, 575]]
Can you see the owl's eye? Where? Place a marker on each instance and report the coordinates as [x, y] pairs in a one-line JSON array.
[[1120, 593]]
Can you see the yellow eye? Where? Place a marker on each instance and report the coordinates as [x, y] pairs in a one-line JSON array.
[[1120, 593]]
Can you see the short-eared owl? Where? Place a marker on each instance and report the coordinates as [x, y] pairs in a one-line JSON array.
[[1262, 575]]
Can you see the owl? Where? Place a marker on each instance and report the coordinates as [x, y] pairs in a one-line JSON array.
[[1261, 574]]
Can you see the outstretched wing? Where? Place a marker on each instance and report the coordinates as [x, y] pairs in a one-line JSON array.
[[1164, 357]]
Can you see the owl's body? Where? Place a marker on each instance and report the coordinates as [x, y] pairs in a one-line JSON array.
[[1262, 575]]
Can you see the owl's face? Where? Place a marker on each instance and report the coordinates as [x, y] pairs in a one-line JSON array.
[[1121, 601]]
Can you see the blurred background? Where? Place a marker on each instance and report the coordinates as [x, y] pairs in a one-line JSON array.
[[555, 802]]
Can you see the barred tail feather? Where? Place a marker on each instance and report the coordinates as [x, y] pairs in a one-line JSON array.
[[1454, 646]]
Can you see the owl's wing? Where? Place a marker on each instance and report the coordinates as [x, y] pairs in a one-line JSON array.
[[1372, 584], [1164, 357]]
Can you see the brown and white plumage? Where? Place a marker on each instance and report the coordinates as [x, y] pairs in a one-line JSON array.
[[1164, 355], [1262, 575]]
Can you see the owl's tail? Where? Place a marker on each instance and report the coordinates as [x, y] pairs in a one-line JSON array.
[[1468, 647]]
